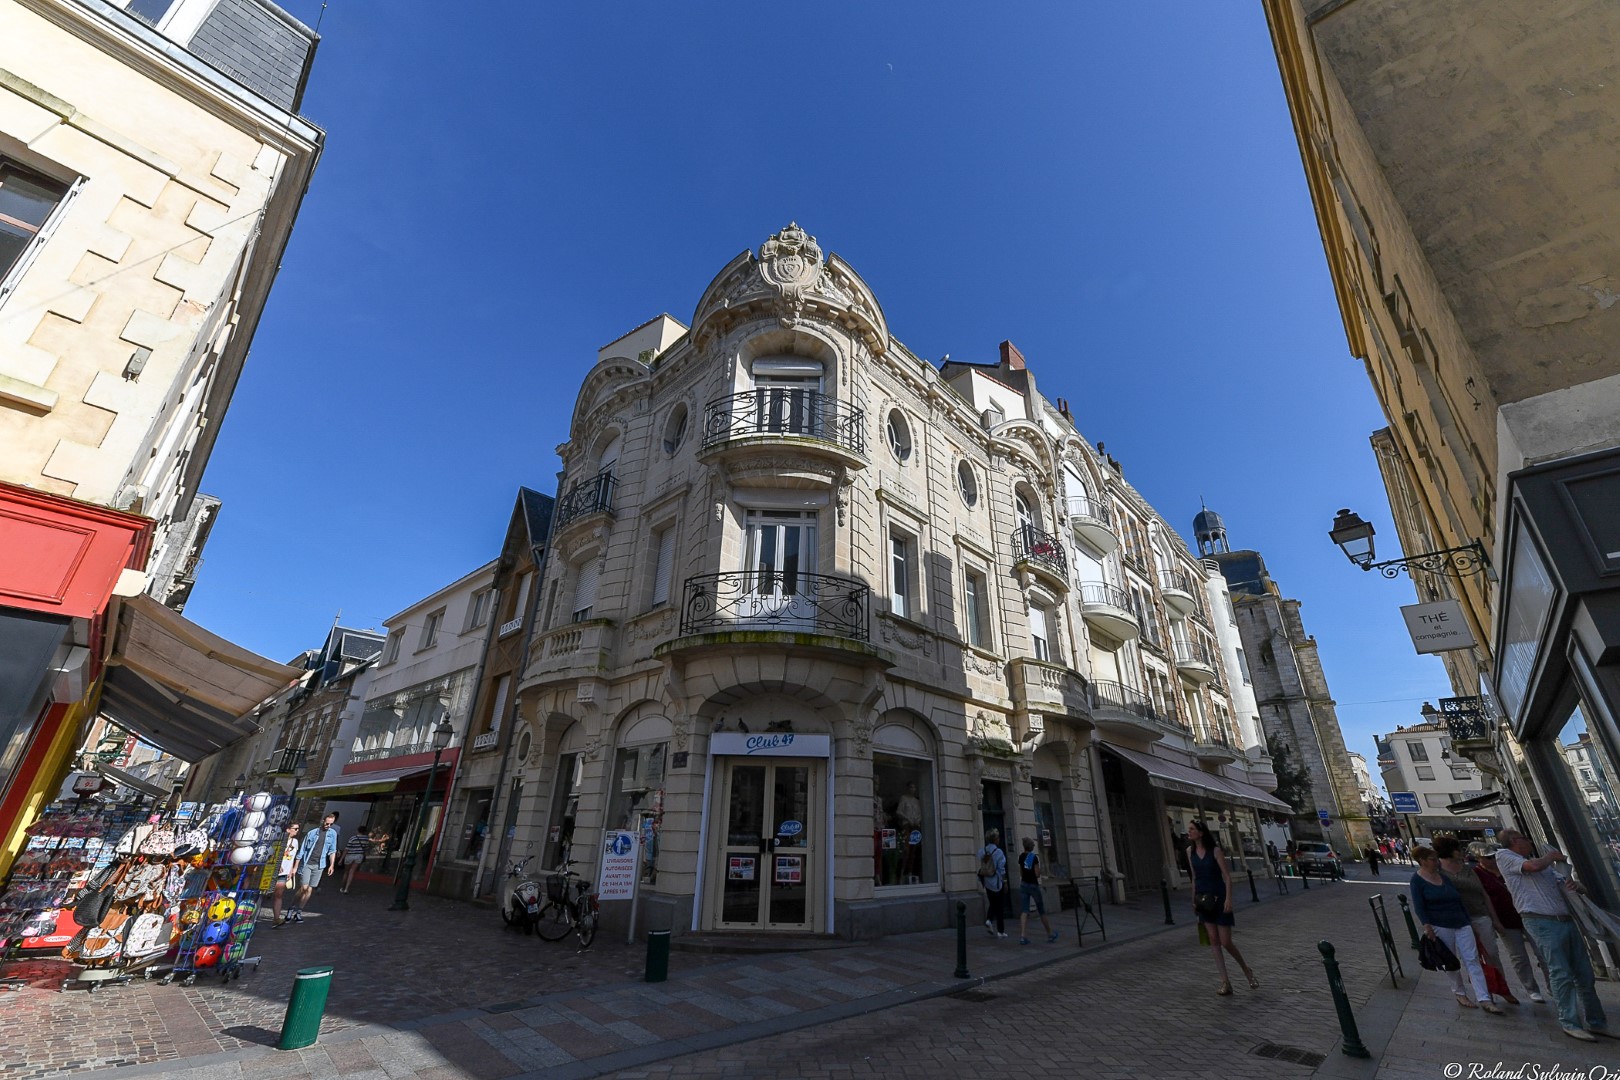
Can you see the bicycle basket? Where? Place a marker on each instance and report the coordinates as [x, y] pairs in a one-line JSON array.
[[557, 888]]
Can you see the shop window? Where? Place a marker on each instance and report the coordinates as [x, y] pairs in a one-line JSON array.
[[564, 810], [1050, 840], [1591, 786], [474, 824], [637, 803], [904, 838]]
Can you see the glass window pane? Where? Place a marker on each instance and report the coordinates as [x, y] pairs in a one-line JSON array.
[[26, 199], [905, 847]]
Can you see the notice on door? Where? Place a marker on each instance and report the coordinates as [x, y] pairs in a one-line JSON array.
[[789, 870], [740, 868], [619, 862]]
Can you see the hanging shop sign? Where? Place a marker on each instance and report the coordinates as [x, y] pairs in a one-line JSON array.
[[1438, 627]]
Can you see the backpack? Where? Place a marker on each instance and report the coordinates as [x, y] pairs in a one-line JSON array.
[[987, 863]]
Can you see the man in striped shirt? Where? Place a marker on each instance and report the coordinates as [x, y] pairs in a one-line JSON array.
[[1539, 893]]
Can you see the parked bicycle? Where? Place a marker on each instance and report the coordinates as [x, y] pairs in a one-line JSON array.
[[523, 901], [570, 905]]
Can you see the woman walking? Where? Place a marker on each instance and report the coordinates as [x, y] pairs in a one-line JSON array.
[[1475, 901], [286, 872], [993, 876], [1439, 907], [1212, 901]]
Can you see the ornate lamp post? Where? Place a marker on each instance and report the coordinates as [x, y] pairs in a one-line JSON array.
[[1355, 538], [441, 739]]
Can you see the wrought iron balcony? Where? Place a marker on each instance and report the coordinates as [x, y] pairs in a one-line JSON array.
[[1041, 550], [1177, 589], [785, 412], [1108, 608], [1195, 662], [377, 753], [1212, 745], [768, 600], [592, 496], [1117, 709], [1465, 719]]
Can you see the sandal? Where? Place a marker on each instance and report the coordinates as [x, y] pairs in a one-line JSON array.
[[1225, 990], [1254, 983], [1465, 1003]]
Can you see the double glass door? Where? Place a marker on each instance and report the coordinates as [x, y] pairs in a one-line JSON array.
[[770, 835]]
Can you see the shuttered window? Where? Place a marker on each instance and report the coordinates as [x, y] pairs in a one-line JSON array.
[[585, 590], [1038, 632], [665, 570]]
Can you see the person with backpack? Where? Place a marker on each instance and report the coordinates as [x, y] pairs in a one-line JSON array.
[[993, 877], [1030, 896]]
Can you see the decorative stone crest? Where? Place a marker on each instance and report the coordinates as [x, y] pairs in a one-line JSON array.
[[790, 261]]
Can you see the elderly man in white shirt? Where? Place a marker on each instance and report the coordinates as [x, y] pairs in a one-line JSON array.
[[1539, 894]]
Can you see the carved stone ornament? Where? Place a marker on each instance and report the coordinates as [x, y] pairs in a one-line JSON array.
[[652, 629], [593, 749], [790, 261], [906, 639], [863, 737], [977, 665], [681, 728]]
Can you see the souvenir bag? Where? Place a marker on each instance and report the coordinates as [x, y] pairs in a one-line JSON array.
[[72, 949], [97, 898], [147, 934], [103, 942], [159, 842], [191, 842], [1434, 956]]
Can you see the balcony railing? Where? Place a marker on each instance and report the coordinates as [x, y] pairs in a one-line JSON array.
[[1099, 592], [1086, 509], [784, 411], [1193, 653], [592, 496], [1031, 545], [1121, 698], [376, 753], [769, 600], [1465, 719], [1175, 581]]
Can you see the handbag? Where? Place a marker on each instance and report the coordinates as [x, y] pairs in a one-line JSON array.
[[1209, 905], [1434, 956]]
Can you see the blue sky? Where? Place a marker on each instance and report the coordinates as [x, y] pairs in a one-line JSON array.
[[1114, 187]]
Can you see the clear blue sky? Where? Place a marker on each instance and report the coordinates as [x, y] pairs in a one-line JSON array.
[[508, 186]]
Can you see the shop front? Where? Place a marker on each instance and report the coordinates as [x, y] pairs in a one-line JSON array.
[[1557, 669]]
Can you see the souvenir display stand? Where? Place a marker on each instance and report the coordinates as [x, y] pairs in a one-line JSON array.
[[71, 843]]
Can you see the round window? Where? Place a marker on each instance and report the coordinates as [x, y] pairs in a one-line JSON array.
[[967, 483], [675, 429], [523, 746], [899, 435]]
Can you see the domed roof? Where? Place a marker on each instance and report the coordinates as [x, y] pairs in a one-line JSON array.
[[1207, 523]]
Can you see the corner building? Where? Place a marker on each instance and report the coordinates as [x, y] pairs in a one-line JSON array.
[[817, 614]]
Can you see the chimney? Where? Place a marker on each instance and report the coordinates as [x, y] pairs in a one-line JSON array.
[[1063, 410], [1011, 358]]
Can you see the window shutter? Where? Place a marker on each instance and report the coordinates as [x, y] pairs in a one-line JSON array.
[[666, 566], [585, 589], [1037, 630]]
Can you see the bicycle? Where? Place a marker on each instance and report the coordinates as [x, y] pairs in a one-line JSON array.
[[522, 908], [563, 912]]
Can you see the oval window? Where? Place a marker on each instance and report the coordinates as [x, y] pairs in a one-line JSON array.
[[675, 429], [899, 436], [523, 747], [967, 483]]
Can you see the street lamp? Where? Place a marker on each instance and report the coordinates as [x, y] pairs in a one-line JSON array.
[[441, 739], [1355, 538]]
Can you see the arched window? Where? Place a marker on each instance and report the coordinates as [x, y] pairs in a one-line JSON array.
[[905, 832]]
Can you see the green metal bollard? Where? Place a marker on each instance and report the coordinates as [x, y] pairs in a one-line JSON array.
[[1164, 889], [1411, 927], [302, 1024], [657, 956], [961, 941], [1341, 1001]]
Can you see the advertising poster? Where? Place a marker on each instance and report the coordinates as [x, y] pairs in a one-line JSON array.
[[889, 839], [740, 868], [790, 869]]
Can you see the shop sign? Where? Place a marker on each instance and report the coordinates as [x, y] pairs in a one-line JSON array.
[[790, 828], [771, 744], [1438, 627], [889, 837], [915, 838], [618, 878]]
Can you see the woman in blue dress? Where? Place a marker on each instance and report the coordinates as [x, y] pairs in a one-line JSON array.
[[1212, 900]]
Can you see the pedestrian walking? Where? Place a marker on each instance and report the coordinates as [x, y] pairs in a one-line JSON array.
[[1212, 901], [1374, 858], [1272, 855], [993, 876], [354, 853], [1475, 902], [317, 854], [1439, 907], [1509, 926], [1030, 896], [1539, 893], [286, 871]]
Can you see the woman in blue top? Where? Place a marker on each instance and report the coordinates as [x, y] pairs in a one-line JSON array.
[[1213, 879], [1439, 907]]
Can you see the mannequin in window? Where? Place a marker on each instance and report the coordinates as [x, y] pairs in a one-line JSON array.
[[878, 821], [908, 814]]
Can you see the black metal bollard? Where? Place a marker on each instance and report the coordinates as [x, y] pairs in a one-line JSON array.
[[1164, 887], [657, 956], [1411, 927], [961, 940], [1254, 893], [1341, 1002], [1305, 878]]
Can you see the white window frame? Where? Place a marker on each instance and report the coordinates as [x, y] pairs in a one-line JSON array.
[[1041, 644], [13, 276], [391, 647], [430, 630], [976, 608], [904, 579], [663, 564], [897, 433]]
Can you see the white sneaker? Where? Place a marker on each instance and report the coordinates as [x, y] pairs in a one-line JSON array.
[[1535, 996], [990, 928], [1001, 935]]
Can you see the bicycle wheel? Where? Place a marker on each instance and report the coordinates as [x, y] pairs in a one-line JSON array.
[[554, 921], [586, 926]]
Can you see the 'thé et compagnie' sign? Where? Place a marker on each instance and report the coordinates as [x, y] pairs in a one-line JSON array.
[[1438, 627]]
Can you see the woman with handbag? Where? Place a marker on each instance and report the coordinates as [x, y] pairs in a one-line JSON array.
[[1478, 906], [1212, 901], [1439, 907]]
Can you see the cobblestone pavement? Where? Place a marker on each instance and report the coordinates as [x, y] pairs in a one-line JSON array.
[[707, 1004], [441, 956]]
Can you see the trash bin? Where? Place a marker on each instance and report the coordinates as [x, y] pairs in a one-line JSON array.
[[657, 956], [302, 1024]]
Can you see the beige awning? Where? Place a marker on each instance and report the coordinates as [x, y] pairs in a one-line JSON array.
[[182, 689], [1174, 776], [375, 782]]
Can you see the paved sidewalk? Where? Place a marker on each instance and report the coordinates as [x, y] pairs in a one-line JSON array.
[[595, 1029]]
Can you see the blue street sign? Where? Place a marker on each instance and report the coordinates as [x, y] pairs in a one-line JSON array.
[[1405, 802], [1325, 816]]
